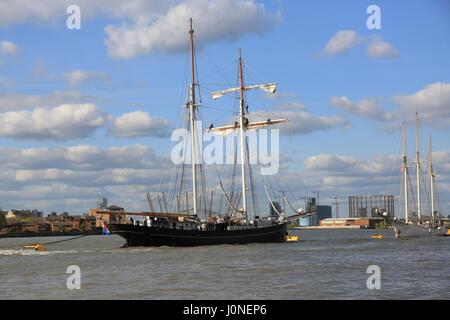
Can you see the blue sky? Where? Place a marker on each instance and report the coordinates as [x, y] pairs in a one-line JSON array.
[[282, 41]]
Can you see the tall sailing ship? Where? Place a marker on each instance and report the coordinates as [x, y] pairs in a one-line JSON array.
[[415, 223], [192, 221]]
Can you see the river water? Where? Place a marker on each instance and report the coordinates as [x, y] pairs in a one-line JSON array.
[[325, 264]]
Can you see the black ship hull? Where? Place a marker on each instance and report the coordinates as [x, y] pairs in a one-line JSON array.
[[153, 236]]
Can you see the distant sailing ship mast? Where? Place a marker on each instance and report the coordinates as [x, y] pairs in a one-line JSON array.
[[405, 173], [417, 228], [432, 176], [244, 125], [418, 171]]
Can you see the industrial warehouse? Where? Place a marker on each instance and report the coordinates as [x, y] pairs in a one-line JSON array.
[[361, 213]]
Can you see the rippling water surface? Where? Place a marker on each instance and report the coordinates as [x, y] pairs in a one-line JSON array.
[[325, 264]]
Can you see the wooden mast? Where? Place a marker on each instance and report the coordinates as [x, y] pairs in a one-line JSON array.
[[419, 204], [242, 128], [405, 173], [244, 123], [192, 119], [431, 181]]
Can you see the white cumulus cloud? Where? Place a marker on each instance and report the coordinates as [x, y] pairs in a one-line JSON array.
[[63, 122], [431, 102], [49, 11], [341, 41], [80, 157], [138, 124], [378, 48], [145, 26], [19, 101], [77, 77], [218, 19], [368, 108], [8, 48]]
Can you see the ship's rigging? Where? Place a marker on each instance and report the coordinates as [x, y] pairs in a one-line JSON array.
[[234, 190], [187, 217], [412, 202]]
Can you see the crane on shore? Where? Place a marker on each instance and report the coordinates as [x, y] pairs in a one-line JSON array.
[[337, 203]]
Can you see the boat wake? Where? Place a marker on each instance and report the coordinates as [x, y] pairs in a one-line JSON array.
[[25, 252]]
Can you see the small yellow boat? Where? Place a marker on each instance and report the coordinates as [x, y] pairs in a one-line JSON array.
[[377, 236], [35, 246], [291, 238]]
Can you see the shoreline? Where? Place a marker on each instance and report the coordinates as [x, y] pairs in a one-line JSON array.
[[48, 234], [335, 228]]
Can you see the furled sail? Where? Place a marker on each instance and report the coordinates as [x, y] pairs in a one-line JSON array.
[[226, 130], [261, 124], [267, 87]]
